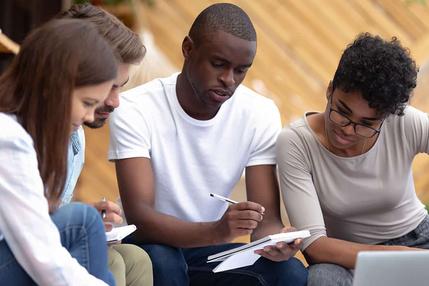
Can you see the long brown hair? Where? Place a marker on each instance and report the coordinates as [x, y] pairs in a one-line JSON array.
[[37, 87]]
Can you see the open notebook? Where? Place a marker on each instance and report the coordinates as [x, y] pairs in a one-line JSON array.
[[118, 233], [245, 255]]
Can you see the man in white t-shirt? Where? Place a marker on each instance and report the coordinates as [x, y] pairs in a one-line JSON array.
[[176, 140]]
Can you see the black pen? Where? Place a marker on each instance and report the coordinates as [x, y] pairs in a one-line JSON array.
[[103, 211]]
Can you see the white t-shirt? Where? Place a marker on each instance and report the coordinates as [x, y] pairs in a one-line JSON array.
[[191, 158], [25, 223], [369, 198]]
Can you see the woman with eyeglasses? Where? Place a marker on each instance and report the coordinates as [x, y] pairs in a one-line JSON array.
[[346, 174]]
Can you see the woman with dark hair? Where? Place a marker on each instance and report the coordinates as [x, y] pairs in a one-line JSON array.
[[346, 173], [63, 71]]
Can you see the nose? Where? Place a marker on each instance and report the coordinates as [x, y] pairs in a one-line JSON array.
[[349, 129], [227, 77], [89, 116], [112, 99]]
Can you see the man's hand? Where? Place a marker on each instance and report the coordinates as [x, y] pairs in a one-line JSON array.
[[281, 250], [239, 219], [112, 213]]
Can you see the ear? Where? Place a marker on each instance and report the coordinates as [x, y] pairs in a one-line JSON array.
[[187, 46], [329, 90]]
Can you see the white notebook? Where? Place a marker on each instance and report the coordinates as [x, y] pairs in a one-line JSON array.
[[119, 233], [244, 255]]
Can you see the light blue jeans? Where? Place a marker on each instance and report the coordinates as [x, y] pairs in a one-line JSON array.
[[325, 274], [82, 234]]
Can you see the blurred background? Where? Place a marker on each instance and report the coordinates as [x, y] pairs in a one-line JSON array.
[[299, 46]]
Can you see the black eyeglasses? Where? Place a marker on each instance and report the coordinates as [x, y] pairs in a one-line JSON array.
[[341, 120]]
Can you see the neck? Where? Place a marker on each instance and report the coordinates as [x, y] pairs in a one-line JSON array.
[[189, 101]]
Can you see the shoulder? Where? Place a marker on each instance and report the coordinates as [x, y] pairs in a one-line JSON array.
[[412, 120], [249, 104], [148, 91], [253, 100], [413, 115], [12, 133], [294, 131]]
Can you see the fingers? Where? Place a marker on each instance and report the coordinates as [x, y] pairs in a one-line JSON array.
[[108, 206], [112, 218], [246, 211], [244, 215], [249, 206], [108, 227], [112, 213], [288, 229], [280, 251], [239, 219]]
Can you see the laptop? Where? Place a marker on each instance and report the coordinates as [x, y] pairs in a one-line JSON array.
[[392, 268]]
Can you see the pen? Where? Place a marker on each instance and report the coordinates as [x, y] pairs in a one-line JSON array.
[[219, 197], [103, 211]]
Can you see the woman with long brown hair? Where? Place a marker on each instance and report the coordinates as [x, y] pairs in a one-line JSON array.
[[63, 71]]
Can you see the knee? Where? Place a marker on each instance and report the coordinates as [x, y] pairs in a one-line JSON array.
[[78, 215], [291, 272], [142, 260], [135, 257], [116, 262], [165, 258], [329, 274]]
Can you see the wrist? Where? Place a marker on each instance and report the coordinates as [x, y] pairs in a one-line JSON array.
[[215, 233]]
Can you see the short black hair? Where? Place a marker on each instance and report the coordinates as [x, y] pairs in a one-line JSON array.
[[224, 17], [381, 70]]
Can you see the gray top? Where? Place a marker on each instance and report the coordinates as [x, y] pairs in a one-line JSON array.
[[367, 198]]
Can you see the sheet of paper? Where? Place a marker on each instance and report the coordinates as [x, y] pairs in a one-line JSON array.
[[241, 259], [245, 256], [119, 233], [260, 243]]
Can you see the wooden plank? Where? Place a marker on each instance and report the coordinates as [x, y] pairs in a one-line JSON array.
[[398, 11]]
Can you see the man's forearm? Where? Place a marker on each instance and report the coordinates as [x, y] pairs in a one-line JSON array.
[[155, 227]]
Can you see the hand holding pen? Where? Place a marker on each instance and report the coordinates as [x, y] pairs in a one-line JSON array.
[[110, 212], [241, 218]]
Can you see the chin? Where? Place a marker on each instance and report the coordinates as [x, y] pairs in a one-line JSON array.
[[98, 123]]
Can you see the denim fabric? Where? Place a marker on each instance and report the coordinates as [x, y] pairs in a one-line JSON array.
[[332, 274], [175, 266], [11, 273], [75, 161], [81, 231]]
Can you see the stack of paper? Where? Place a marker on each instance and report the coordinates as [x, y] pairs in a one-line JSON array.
[[118, 233], [245, 255]]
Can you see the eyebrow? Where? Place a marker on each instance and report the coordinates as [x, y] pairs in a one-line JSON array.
[[219, 58], [121, 85], [343, 105]]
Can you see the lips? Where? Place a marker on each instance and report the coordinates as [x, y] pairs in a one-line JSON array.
[[342, 139], [219, 95], [103, 115]]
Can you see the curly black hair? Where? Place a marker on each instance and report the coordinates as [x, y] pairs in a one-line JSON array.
[[381, 70]]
